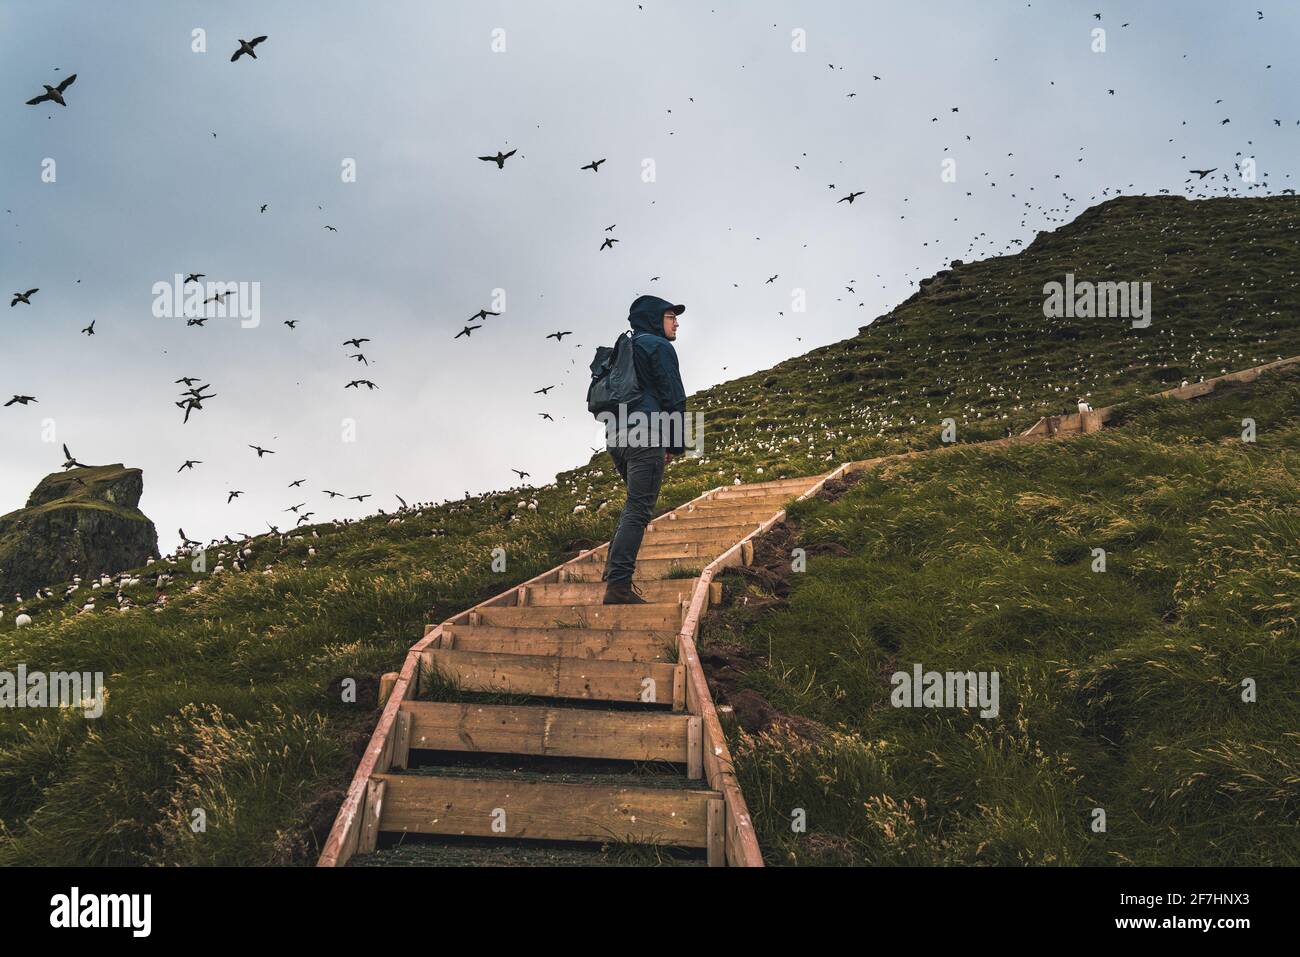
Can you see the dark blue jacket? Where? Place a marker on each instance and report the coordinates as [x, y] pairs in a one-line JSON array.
[[656, 360]]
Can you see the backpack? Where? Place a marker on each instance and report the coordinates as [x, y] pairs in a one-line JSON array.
[[614, 380]]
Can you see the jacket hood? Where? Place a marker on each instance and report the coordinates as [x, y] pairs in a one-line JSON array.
[[647, 314]]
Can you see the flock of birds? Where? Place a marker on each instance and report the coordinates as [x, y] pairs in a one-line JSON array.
[[197, 392]]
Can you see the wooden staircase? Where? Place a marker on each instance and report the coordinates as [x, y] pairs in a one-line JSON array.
[[568, 720]]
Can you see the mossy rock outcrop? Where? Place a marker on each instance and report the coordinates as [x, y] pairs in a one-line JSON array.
[[84, 521]]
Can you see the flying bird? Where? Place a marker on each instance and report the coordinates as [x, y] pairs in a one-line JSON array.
[[594, 165], [189, 464], [292, 323], [499, 159], [194, 277], [365, 382], [483, 314], [71, 462], [559, 336], [261, 451], [54, 93], [296, 483], [850, 198], [522, 475], [231, 496], [355, 343], [467, 332], [24, 297], [90, 329], [246, 46], [543, 391], [185, 539], [1202, 173], [21, 400]]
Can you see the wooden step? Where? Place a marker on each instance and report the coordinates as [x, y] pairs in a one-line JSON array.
[[804, 481], [584, 593], [554, 732], [654, 616], [704, 517], [539, 810], [623, 644], [647, 569], [705, 547], [548, 676], [739, 508], [689, 531], [760, 491]]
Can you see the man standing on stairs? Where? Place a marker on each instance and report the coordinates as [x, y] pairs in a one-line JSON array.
[[641, 454]]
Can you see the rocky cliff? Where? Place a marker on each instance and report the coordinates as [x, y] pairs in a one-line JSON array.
[[81, 522]]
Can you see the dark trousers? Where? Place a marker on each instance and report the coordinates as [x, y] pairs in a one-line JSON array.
[[642, 471]]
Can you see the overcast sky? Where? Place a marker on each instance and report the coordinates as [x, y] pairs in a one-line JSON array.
[[745, 134]]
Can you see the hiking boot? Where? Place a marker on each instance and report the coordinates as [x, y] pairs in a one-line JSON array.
[[622, 593]]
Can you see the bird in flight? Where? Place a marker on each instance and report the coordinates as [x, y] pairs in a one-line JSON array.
[[360, 357], [231, 496], [333, 229], [546, 416], [185, 539], [361, 498], [189, 464], [264, 205], [594, 165], [292, 323], [294, 508], [54, 94], [851, 197], [483, 314], [21, 400], [559, 336], [332, 494], [355, 343], [1202, 173], [246, 46], [467, 331], [543, 391], [609, 243], [522, 475], [71, 462], [23, 297], [194, 277], [90, 329], [296, 483], [365, 382], [188, 380], [499, 159], [261, 451]]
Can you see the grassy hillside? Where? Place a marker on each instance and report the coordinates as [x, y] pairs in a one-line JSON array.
[[1119, 689], [227, 697]]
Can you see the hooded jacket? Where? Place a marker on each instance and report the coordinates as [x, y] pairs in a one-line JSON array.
[[656, 362]]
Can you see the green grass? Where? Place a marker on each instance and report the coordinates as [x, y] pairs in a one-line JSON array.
[[228, 698], [1120, 690]]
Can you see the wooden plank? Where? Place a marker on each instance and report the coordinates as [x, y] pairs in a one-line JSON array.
[[373, 815], [591, 593], [386, 683], [690, 532], [541, 810], [694, 748], [652, 616], [402, 738], [646, 682], [647, 569], [716, 833], [551, 732], [622, 644]]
